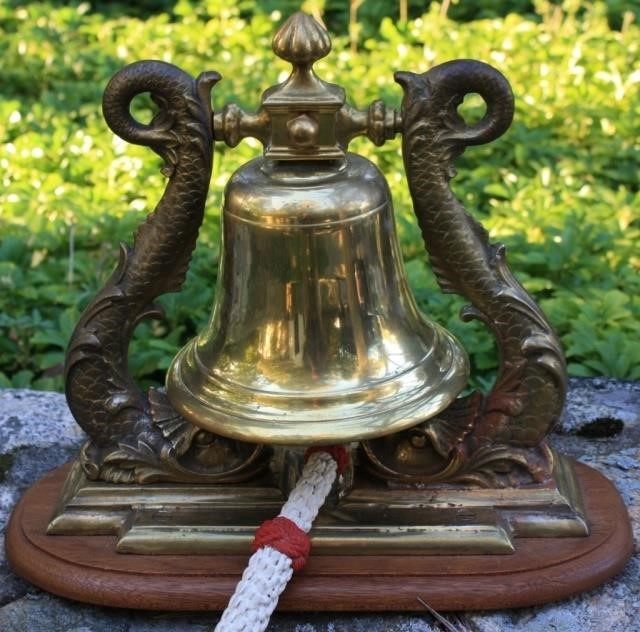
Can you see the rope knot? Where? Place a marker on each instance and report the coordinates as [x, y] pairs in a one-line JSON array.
[[339, 453], [284, 536]]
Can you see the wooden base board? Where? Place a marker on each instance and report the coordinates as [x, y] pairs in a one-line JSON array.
[[87, 568]]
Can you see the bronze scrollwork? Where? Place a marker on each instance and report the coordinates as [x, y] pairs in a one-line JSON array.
[[496, 439], [133, 436]]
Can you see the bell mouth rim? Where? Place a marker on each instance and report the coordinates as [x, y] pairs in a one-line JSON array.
[[345, 423]]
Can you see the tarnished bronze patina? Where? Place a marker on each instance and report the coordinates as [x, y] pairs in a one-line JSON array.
[[367, 519], [314, 336]]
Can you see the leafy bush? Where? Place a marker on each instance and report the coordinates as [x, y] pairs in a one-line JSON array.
[[560, 188]]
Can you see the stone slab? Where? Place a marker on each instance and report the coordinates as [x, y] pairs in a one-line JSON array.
[[600, 426]]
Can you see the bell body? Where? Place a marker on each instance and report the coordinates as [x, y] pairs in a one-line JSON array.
[[314, 337]]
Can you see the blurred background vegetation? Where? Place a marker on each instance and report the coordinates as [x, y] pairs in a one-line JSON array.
[[560, 188]]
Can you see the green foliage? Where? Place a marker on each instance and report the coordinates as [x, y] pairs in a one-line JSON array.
[[560, 188]]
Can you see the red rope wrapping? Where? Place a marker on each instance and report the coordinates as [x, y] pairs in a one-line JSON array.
[[284, 536], [338, 452]]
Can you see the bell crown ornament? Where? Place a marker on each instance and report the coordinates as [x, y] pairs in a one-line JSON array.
[[315, 336], [305, 117]]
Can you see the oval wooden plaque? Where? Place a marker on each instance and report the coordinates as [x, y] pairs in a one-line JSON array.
[[87, 568]]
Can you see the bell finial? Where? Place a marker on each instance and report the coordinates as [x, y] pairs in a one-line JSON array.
[[301, 40], [303, 109], [304, 117]]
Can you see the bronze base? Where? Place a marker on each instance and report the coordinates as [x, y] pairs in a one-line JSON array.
[[372, 518], [539, 570]]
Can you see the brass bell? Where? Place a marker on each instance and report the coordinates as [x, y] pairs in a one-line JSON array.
[[315, 336]]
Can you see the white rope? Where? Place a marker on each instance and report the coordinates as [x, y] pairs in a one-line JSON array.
[[269, 571]]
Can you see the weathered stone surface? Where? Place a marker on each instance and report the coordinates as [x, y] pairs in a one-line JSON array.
[[601, 427], [44, 613], [37, 433], [600, 407], [35, 418]]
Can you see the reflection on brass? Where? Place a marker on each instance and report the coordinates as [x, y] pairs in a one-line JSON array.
[[314, 336], [372, 518]]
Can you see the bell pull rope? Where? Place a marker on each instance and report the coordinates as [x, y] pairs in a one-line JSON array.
[[282, 545]]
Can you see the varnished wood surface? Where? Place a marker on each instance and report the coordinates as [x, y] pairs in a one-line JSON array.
[[87, 568]]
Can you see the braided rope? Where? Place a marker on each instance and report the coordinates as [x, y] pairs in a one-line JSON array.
[[269, 569]]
